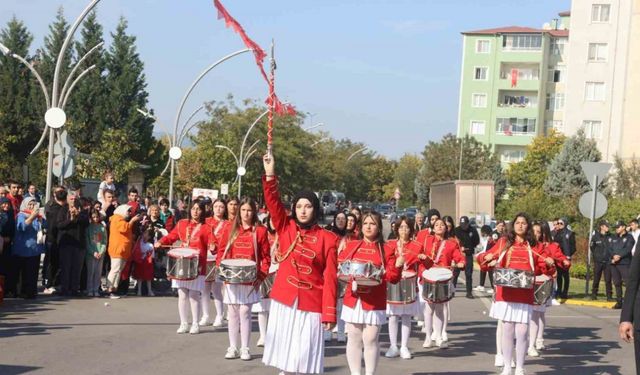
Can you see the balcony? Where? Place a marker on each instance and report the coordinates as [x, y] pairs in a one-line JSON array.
[[516, 126]]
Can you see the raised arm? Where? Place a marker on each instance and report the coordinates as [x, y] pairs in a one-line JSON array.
[[272, 195]]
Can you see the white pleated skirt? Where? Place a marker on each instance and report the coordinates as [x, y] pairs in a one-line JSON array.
[[239, 294], [294, 341], [358, 315], [511, 311], [403, 309], [195, 284], [261, 306]]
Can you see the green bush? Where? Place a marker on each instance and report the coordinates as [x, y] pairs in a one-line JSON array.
[[578, 271]]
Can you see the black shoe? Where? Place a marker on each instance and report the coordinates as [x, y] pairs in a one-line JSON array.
[[618, 305], [594, 297], [469, 295]]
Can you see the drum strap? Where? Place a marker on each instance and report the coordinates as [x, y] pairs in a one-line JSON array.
[[218, 227], [442, 243], [508, 252]]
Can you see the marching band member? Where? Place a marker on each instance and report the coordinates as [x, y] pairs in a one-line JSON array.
[[364, 306], [519, 250], [216, 222], [232, 208], [263, 306], [410, 250], [352, 227], [243, 239], [193, 233], [542, 234], [421, 237], [346, 235], [303, 297], [440, 250]]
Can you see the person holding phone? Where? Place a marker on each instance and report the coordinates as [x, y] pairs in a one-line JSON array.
[[27, 248]]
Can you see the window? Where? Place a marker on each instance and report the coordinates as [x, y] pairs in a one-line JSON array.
[[480, 73], [512, 156], [594, 91], [556, 125], [598, 52], [592, 129], [524, 74], [600, 12], [516, 126], [556, 47], [483, 46], [477, 127], [479, 100], [556, 74], [555, 102], [522, 42]]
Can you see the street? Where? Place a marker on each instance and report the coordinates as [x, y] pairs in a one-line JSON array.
[[137, 335]]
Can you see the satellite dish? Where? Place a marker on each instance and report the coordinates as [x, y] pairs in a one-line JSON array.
[[55, 118]]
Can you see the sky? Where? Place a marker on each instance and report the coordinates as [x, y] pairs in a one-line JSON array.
[[385, 73]]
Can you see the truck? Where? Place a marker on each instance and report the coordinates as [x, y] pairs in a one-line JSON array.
[[472, 198], [331, 200]]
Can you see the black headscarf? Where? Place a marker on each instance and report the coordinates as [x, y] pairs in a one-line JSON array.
[[315, 202]]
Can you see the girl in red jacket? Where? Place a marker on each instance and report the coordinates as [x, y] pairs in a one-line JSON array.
[[216, 222], [195, 234], [364, 306], [518, 250], [243, 239], [404, 246], [440, 250], [542, 233]]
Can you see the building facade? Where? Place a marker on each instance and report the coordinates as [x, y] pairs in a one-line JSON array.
[[512, 85], [604, 75]]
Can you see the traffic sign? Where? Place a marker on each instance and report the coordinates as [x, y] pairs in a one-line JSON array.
[[591, 169], [58, 168], [224, 189], [586, 203]]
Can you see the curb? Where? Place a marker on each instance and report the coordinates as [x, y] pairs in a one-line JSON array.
[[581, 302]]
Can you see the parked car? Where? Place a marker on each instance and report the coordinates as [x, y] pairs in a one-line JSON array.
[[410, 212], [384, 209]]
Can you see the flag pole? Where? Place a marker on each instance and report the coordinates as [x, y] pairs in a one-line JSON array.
[[272, 101]]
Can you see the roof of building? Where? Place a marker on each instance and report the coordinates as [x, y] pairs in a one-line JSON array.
[[518, 30], [505, 30], [566, 13]]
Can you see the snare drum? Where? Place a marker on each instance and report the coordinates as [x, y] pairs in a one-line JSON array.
[[544, 289], [404, 292], [182, 264], [237, 271], [512, 278], [364, 273], [437, 286], [212, 269]]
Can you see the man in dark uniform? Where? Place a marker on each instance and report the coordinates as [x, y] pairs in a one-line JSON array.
[[629, 329], [601, 260], [567, 241], [469, 239], [619, 248]]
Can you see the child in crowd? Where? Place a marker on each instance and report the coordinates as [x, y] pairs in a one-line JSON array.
[[107, 183], [96, 247], [143, 255]]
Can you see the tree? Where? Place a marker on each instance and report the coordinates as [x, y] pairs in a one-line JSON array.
[[404, 178], [441, 163], [531, 172], [626, 178], [565, 176], [22, 104], [48, 57], [85, 109]]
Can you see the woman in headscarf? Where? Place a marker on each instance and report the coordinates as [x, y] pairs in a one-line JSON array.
[[303, 298], [28, 244]]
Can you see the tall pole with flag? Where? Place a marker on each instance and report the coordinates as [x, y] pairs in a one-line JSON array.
[[272, 101]]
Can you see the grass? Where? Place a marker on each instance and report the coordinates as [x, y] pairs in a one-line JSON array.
[[576, 289]]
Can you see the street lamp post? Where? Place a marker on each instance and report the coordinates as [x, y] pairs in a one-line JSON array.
[[357, 152], [55, 116], [313, 126]]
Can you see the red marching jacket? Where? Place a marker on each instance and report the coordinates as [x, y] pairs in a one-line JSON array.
[[193, 235], [243, 247], [410, 251], [307, 261], [371, 297], [553, 250], [516, 257]]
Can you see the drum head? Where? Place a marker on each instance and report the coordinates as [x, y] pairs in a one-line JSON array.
[[542, 278], [237, 262], [408, 274], [366, 281], [183, 252], [437, 274]]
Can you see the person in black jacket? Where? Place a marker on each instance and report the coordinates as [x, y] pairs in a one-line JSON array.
[[567, 241], [71, 243], [619, 248], [601, 260], [469, 239], [51, 263], [628, 328]]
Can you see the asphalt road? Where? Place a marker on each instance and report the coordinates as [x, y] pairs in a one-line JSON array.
[[136, 335]]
